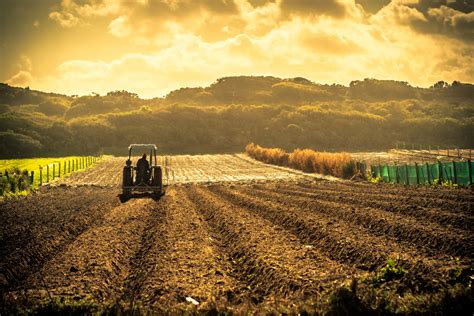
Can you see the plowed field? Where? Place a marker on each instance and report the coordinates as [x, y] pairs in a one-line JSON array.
[[232, 234]]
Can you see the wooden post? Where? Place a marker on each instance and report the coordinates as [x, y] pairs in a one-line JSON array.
[[59, 170], [47, 173], [64, 172], [41, 175], [32, 178], [54, 170]]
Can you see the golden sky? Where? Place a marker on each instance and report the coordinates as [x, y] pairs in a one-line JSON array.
[[151, 47]]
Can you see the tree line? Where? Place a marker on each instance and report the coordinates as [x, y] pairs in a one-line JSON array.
[[292, 113]]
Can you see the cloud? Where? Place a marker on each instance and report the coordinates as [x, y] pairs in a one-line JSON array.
[[451, 21], [177, 43], [373, 6], [70, 14], [25, 63], [452, 18], [318, 7], [65, 19], [119, 27], [21, 79], [259, 3]]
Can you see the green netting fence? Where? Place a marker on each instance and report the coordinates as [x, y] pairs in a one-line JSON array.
[[458, 172]]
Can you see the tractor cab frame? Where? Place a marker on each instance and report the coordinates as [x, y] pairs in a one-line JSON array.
[[152, 182]]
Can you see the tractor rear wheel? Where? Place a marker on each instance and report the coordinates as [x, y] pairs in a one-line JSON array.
[[157, 180], [127, 180]]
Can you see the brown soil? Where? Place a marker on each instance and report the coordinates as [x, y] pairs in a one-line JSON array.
[[256, 238]]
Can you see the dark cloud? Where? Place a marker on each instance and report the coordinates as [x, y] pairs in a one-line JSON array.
[[316, 7], [372, 6], [185, 7], [450, 18], [464, 6], [259, 3]]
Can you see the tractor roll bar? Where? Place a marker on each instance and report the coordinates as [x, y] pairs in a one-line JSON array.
[[151, 147]]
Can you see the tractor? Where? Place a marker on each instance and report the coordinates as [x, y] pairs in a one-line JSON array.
[[148, 180]]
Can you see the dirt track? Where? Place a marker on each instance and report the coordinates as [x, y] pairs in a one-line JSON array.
[[185, 169], [256, 237]]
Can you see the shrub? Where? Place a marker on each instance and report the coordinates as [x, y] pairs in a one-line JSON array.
[[307, 160], [17, 181]]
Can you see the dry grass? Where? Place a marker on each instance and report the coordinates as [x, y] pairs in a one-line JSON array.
[[336, 164]]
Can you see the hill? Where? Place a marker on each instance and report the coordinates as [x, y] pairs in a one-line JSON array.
[[223, 117]]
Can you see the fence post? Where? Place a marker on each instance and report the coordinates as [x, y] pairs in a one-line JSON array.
[[59, 169], [455, 173], [54, 169], [64, 172], [417, 173], [41, 175], [47, 173], [32, 178]]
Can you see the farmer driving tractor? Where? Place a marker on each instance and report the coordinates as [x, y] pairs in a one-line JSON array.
[[143, 170]]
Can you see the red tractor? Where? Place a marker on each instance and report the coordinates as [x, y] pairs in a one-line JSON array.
[[140, 178]]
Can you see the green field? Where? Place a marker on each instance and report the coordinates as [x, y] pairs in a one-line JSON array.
[[33, 164]]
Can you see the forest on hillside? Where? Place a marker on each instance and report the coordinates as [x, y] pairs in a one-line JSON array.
[[234, 111]]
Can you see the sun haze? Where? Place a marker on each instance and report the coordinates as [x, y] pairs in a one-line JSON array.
[[151, 47]]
